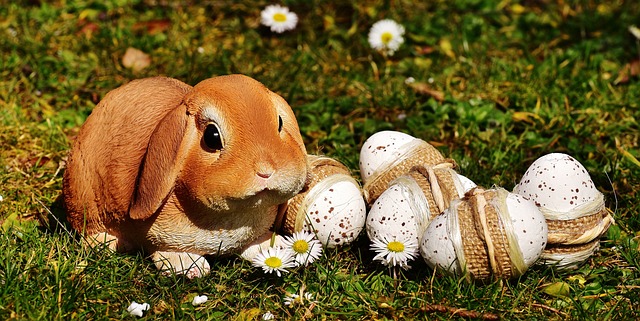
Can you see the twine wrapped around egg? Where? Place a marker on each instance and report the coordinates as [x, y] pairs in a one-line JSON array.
[[440, 184], [481, 230], [334, 224], [413, 200], [416, 152], [565, 257], [488, 236], [574, 236], [573, 207], [581, 225]]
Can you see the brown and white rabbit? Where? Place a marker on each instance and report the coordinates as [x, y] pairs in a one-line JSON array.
[[180, 172]]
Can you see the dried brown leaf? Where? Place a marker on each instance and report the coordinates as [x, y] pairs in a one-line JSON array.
[[629, 70], [152, 27], [135, 59], [425, 50], [38, 161], [88, 29], [425, 89]]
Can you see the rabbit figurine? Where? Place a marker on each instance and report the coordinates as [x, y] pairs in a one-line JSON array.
[[179, 172]]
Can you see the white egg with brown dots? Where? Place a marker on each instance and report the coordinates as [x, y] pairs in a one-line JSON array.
[[572, 205]]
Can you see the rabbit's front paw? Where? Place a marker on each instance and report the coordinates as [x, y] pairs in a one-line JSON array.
[[108, 241], [189, 264]]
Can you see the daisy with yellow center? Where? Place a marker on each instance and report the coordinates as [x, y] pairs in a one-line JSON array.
[[305, 247], [274, 259], [396, 251], [386, 36], [278, 18]]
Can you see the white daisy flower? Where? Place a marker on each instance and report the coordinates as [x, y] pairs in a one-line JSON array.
[[137, 309], [278, 18], [304, 246], [199, 299], [396, 252], [386, 36], [274, 259], [268, 316], [296, 299]]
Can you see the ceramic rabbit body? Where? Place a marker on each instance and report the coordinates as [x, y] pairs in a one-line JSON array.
[[180, 171]]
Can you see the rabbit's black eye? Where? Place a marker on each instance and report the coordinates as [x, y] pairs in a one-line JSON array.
[[212, 137], [279, 124]]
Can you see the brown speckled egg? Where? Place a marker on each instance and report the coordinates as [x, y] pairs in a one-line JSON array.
[[388, 154], [573, 207], [489, 234], [558, 182], [401, 210], [331, 205]]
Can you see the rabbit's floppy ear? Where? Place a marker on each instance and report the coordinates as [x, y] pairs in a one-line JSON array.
[[160, 165]]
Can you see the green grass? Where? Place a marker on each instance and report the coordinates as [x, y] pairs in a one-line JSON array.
[[521, 80]]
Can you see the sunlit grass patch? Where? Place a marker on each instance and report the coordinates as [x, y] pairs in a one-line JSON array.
[[502, 83]]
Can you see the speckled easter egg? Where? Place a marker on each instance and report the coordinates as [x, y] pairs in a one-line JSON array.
[[386, 155], [337, 215], [529, 226], [490, 233], [436, 245], [379, 149], [573, 207], [331, 204], [401, 211], [557, 182]]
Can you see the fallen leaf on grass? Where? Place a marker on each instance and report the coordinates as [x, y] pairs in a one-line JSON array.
[[629, 157], [558, 289], [629, 70], [87, 29], [135, 59], [447, 48], [525, 116], [38, 161], [152, 27], [425, 89], [425, 50]]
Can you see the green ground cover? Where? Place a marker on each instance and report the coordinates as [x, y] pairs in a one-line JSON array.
[[510, 81]]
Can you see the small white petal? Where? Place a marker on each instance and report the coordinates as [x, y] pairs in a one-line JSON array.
[[137, 309], [199, 299], [291, 299], [268, 316]]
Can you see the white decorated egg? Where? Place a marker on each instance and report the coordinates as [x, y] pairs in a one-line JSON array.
[[490, 233], [436, 245], [337, 213], [331, 205], [529, 226], [400, 211], [557, 182], [379, 149], [386, 155], [573, 207]]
